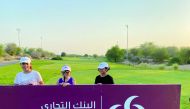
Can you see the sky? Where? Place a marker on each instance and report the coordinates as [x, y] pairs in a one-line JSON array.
[[94, 26]]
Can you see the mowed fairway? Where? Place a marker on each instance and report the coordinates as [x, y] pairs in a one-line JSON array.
[[84, 70]]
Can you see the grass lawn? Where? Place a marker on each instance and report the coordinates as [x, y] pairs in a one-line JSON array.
[[84, 70]]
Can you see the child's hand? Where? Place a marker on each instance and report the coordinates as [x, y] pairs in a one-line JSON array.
[[65, 84]]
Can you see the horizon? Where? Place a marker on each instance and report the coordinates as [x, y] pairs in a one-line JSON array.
[[92, 27]]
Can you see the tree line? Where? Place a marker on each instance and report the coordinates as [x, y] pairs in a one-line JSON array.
[[12, 50], [150, 53]]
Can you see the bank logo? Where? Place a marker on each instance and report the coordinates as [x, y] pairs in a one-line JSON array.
[[127, 104]]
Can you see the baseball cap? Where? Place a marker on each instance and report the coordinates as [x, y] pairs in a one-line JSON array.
[[103, 65], [25, 60], [65, 67]]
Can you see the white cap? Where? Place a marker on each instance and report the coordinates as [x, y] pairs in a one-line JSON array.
[[25, 60], [65, 67], [103, 65]]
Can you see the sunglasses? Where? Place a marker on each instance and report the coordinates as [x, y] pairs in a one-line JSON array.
[[100, 68], [24, 63], [106, 68], [66, 71]]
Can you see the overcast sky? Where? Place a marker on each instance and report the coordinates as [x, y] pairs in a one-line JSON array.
[[93, 26]]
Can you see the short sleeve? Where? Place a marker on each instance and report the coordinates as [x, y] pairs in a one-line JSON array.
[[96, 80], [38, 77], [16, 80], [73, 81], [112, 81]]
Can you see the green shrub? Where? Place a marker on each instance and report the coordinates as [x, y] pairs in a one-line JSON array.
[[161, 67], [57, 58], [143, 65], [174, 60], [175, 66]]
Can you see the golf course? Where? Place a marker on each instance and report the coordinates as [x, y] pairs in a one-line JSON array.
[[84, 70]]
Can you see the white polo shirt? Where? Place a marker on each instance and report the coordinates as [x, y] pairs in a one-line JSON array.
[[32, 78]]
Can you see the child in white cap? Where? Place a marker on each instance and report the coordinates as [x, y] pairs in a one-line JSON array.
[[27, 76], [104, 78], [66, 79]]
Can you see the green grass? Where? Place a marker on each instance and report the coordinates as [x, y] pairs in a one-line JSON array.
[[84, 70]]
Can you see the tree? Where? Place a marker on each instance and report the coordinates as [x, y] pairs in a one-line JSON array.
[[29, 50], [133, 55], [57, 58], [11, 49], [173, 51], [63, 54], [47, 55], [147, 49], [115, 54], [1, 50], [174, 60], [85, 55], [95, 55], [18, 51], [160, 54], [36, 55], [134, 51], [185, 55]]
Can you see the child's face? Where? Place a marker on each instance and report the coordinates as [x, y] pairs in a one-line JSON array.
[[66, 73], [26, 67], [102, 71]]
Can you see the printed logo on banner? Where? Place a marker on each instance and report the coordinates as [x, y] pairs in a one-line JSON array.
[[127, 104]]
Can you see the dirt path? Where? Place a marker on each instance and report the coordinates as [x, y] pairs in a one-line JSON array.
[[4, 63], [184, 67]]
